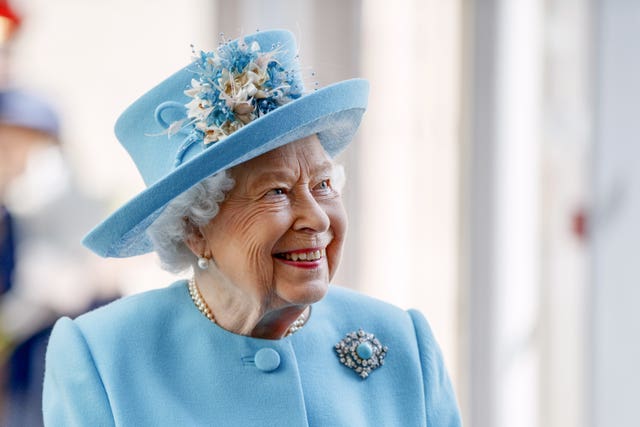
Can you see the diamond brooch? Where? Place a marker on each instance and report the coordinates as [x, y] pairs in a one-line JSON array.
[[362, 352]]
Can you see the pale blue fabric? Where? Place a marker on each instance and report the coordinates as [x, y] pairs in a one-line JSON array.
[[155, 360]]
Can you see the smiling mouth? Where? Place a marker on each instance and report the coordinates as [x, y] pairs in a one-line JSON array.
[[310, 255]]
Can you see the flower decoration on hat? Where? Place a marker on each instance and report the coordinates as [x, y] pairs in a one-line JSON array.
[[235, 85]]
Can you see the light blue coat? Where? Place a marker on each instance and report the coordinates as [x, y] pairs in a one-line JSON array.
[[154, 360]]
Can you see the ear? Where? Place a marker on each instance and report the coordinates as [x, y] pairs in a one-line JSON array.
[[194, 239]]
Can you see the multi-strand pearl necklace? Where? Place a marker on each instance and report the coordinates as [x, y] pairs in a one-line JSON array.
[[201, 304], [199, 301]]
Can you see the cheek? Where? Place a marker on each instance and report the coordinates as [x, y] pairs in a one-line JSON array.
[[247, 238], [338, 219]]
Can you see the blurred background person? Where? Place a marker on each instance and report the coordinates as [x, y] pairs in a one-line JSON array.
[[27, 125], [43, 269]]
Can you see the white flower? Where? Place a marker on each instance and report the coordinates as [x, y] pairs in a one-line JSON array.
[[196, 88], [199, 109]]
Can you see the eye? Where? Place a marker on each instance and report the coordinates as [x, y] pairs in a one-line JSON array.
[[323, 185], [276, 192]]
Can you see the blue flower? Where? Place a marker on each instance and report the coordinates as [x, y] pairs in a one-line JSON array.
[[235, 85]]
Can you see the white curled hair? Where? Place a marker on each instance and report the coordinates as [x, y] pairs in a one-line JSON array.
[[193, 208]]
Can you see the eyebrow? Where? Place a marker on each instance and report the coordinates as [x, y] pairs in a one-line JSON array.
[[282, 175], [323, 168]]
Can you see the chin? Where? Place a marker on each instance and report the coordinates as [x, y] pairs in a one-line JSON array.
[[304, 294]]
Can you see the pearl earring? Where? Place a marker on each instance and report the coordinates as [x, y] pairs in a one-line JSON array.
[[203, 263]]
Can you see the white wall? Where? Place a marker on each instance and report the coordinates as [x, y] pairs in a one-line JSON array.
[[502, 211], [615, 344], [565, 164]]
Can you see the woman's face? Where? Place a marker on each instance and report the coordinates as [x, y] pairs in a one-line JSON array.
[[279, 233]]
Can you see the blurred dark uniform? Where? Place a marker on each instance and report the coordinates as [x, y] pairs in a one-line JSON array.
[[7, 250], [25, 117]]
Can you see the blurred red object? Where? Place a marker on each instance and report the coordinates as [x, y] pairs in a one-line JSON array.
[[9, 21], [579, 224]]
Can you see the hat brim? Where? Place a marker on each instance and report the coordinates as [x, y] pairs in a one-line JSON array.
[[333, 113]]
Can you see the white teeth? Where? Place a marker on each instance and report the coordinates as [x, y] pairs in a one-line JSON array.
[[306, 256]]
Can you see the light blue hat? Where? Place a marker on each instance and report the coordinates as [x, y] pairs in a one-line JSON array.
[[226, 107]]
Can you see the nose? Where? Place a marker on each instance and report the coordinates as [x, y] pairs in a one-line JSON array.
[[309, 214]]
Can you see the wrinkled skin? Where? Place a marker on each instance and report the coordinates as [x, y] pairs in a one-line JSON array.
[[283, 202]]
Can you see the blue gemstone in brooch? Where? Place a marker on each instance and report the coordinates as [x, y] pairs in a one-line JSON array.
[[361, 352]]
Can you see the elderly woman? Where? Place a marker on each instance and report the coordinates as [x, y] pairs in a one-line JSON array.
[[242, 189]]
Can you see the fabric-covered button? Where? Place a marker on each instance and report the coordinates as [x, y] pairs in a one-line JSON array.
[[267, 360]]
